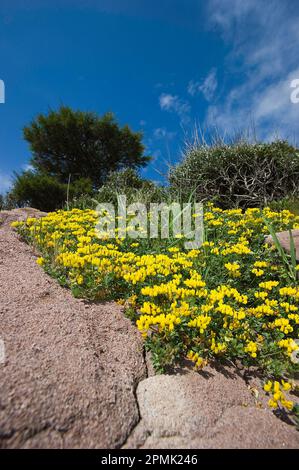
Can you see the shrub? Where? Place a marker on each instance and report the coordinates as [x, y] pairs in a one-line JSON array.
[[80, 187], [126, 182], [129, 183], [40, 191], [289, 203], [238, 175], [7, 202], [45, 192]]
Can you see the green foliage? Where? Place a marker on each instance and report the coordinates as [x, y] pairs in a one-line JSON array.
[[73, 154], [83, 145], [288, 203], [164, 356], [130, 184], [82, 186], [37, 190], [45, 192], [288, 262], [7, 202], [126, 182], [241, 174], [82, 201], [296, 415]]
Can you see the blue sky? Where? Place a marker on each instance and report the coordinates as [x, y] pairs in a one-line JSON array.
[[159, 65]]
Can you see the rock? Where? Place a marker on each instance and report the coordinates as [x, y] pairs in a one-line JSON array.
[[284, 238], [6, 217], [212, 409], [61, 386]]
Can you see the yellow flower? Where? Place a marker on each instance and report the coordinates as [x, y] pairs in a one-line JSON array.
[[258, 272], [287, 404], [15, 224], [277, 396], [199, 361], [272, 403], [201, 322], [233, 269], [251, 347], [288, 344], [268, 285], [286, 385], [260, 264], [261, 295], [268, 386], [283, 324], [276, 387]]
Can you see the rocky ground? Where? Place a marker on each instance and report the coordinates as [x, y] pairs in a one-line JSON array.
[[75, 375]]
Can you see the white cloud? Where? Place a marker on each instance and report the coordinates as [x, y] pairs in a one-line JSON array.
[[225, 13], [207, 87], [5, 183], [162, 133], [264, 40], [269, 109], [2, 92], [172, 103], [193, 87], [167, 101]]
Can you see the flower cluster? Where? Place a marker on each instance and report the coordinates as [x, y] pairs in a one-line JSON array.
[[230, 299], [278, 397]]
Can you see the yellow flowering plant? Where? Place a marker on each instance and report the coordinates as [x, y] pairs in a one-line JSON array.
[[231, 299]]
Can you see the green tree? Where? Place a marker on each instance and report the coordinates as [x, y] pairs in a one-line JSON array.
[[83, 145]]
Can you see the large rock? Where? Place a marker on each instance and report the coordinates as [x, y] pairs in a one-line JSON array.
[[212, 409], [284, 238], [71, 367]]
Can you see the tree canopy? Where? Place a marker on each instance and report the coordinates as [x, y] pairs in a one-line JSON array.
[[83, 145]]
